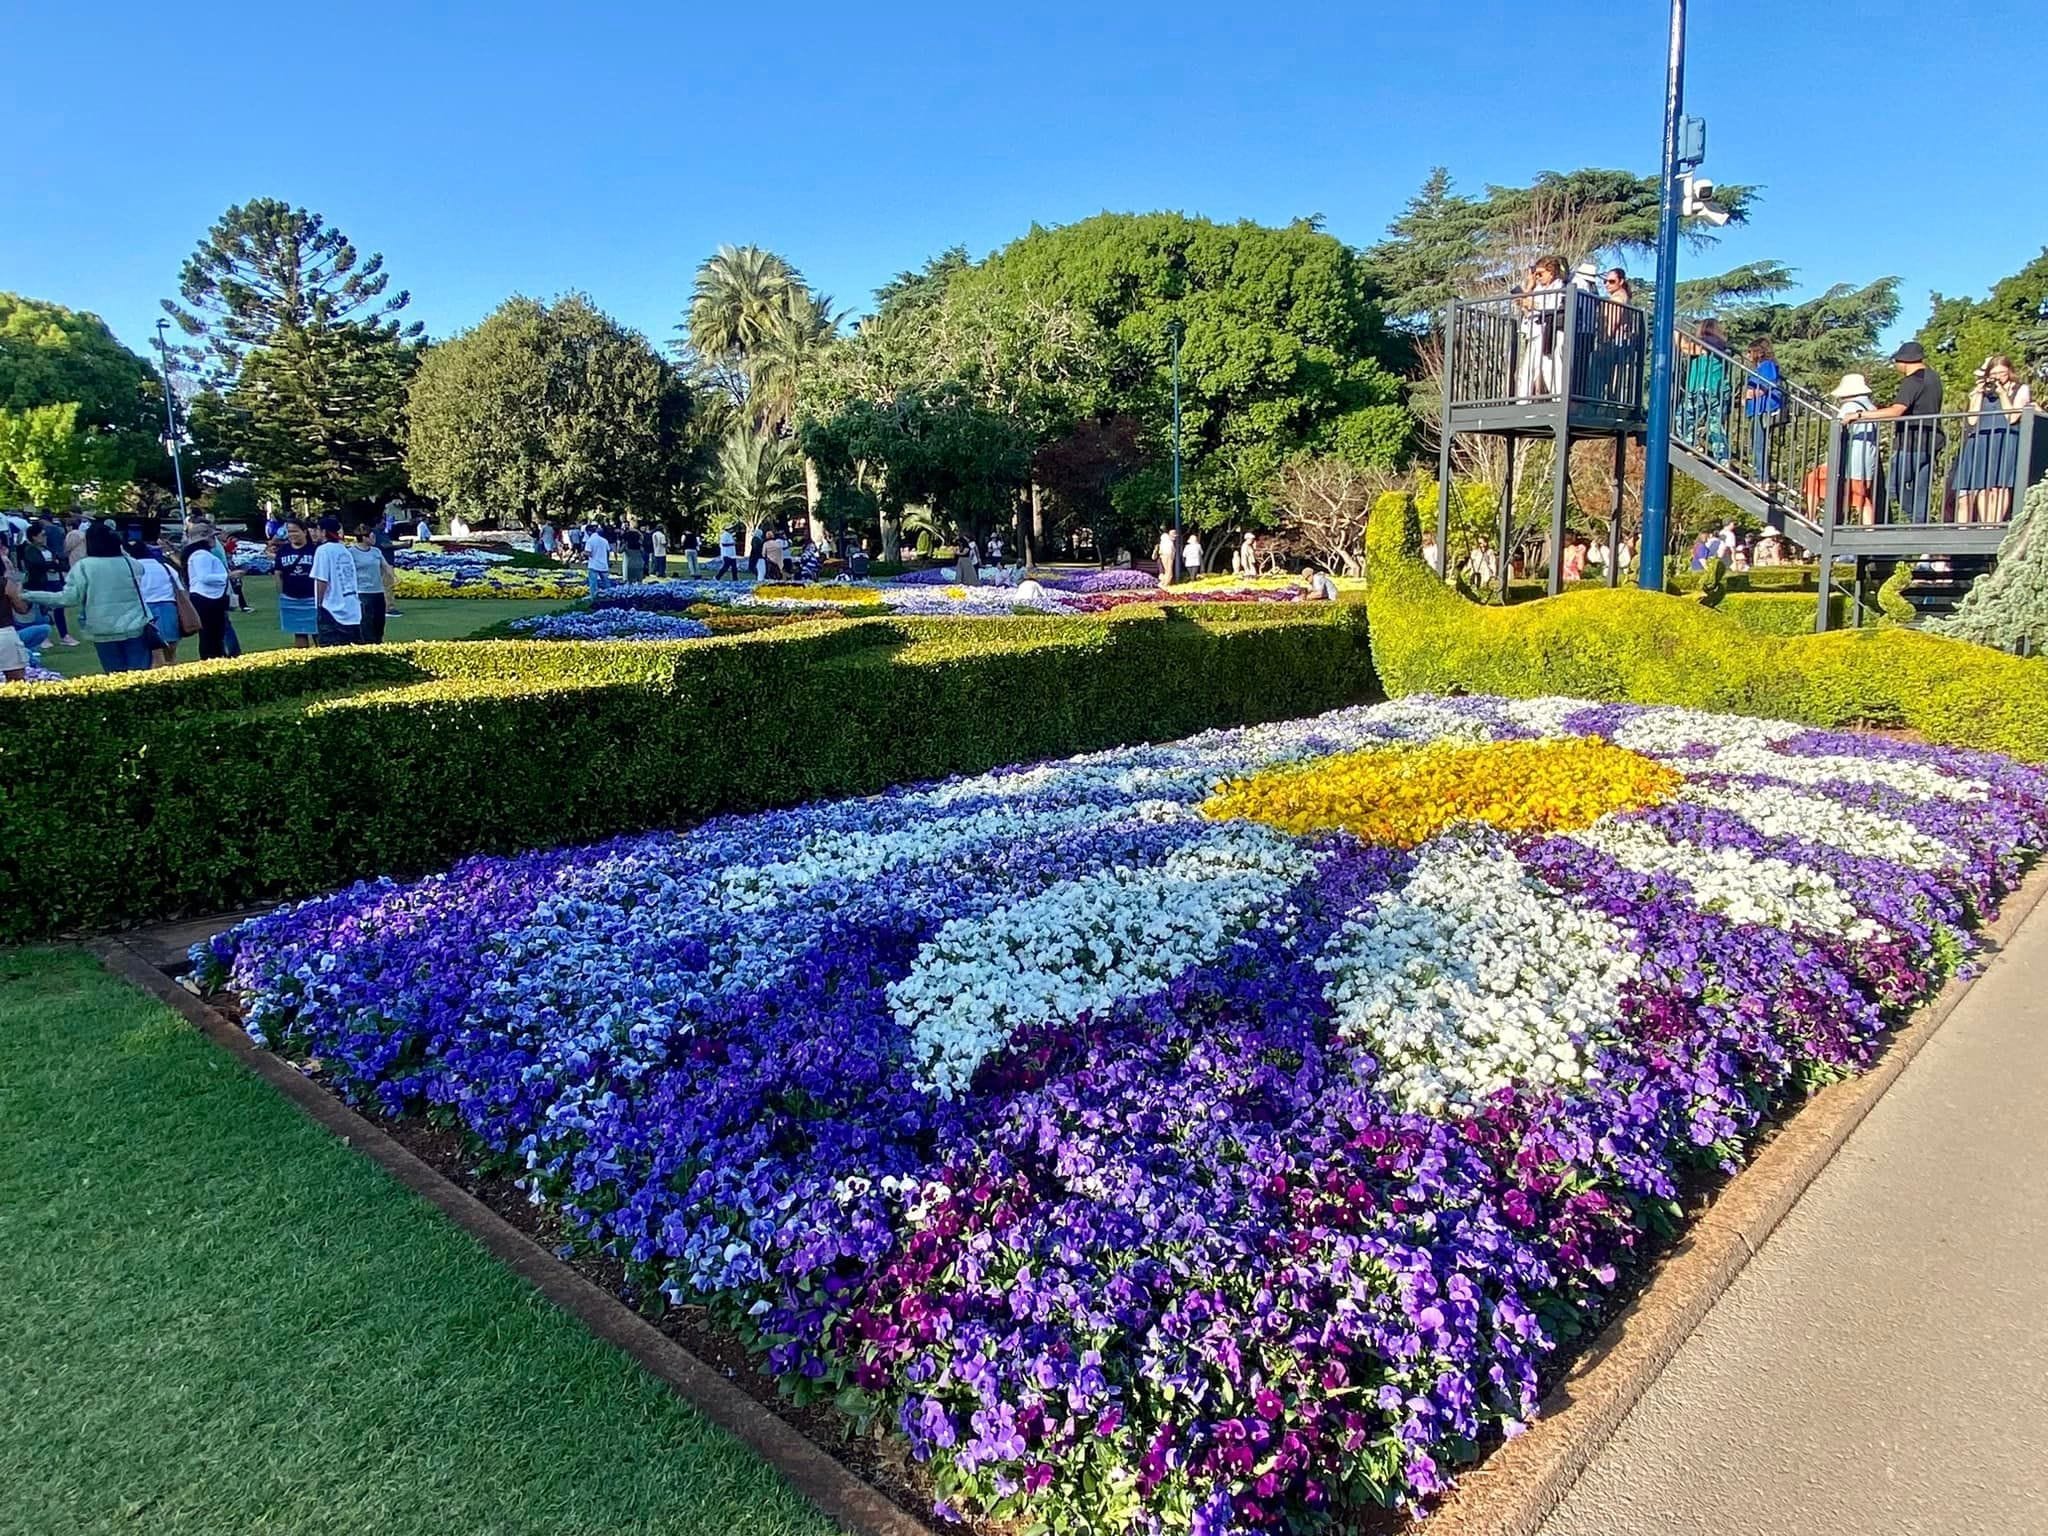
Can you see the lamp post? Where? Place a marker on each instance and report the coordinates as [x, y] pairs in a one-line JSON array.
[[1657, 438], [1175, 330], [171, 419]]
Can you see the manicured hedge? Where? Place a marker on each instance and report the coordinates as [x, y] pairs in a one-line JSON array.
[[149, 796], [1657, 649], [1781, 613]]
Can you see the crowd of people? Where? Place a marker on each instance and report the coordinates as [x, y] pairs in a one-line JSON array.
[[138, 597], [631, 552], [1732, 405]]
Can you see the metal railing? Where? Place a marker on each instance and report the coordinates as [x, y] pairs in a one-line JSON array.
[[1766, 434], [1960, 468], [1793, 450], [1529, 347]]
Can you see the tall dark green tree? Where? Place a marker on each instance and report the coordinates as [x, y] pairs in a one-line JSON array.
[[548, 411], [1446, 245], [303, 336]]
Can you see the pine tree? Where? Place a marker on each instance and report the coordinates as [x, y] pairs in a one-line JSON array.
[[302, 337]]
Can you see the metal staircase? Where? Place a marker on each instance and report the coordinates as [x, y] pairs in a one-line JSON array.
[[1563, 366]]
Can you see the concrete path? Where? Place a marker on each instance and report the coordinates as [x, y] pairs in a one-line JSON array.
[[1881, 1366]]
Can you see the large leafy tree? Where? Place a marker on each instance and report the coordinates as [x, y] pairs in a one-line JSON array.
[[51, 356], [303, 336], [548, 411], [43, 456], [936, 447], [1284, 347], [2012, 320]]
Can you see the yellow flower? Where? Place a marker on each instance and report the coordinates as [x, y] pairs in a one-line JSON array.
[[1401, 796]]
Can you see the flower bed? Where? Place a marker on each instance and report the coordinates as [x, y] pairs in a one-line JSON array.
[[447, 562], [611, 624], [1142, 1147], [671, 595], [485, 581], [1101, 581]]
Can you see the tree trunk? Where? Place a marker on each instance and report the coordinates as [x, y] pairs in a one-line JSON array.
[[892, 537], [811, 495]]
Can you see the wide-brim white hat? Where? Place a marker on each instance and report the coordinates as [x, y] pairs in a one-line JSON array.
[[1852, 384]]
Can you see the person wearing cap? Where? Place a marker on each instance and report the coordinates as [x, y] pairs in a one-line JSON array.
[[1859, 460], [336, 596], [1917, 437]]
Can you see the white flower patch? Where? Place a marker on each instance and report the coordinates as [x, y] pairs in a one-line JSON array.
[[839, 858], [1744, 747], [1733, 882], [1474, 976], [1777, 811], [1546, 716], [1085, 945]]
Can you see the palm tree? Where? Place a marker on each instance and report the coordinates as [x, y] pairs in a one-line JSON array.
[[797, 332], [733, 308], [757, 479], [801, 330]]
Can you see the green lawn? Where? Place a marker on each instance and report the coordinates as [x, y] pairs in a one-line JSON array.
[[217, 1319], [442, 618]]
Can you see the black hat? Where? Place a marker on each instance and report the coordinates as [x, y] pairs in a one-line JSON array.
[[330, 524], [1911, 352]]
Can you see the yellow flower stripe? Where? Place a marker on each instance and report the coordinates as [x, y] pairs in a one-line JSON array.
[[507, 581], [1401, 797], [852, 596]]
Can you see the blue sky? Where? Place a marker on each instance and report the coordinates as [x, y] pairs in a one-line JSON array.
[[493, 149]]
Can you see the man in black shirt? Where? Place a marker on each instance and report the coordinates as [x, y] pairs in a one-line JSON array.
[[1916, 440]]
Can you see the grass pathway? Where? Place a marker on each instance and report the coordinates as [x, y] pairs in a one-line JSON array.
[[219, 1320]]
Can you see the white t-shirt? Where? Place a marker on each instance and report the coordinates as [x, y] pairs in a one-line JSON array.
[[207, 573], [422, 532], [333, 564], [728, 546], [599, 549], [154, 578], [658, 542], [1192, 557]]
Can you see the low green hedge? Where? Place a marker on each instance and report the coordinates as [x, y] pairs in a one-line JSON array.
[[1652, 648], [1781, 613], [145, 797]]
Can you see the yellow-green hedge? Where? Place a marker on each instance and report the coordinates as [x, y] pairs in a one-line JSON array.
[[1656, 649], [147, 796]]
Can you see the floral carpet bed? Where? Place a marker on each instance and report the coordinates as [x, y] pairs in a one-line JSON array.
[[1223, 1135]]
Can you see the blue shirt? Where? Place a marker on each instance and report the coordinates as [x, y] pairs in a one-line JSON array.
[[1762, 401]]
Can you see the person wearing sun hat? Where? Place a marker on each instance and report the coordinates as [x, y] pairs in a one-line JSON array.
[[1916, 440], [1859, 462]]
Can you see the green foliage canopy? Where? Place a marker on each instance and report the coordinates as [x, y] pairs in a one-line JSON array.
[[546, 411], [1285, 348]]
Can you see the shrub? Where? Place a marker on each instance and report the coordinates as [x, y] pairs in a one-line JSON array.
[[1892, 602], [1780, 613], [216, 786], [1651, 648]]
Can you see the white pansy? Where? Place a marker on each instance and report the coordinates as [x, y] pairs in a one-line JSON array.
[[1746, 747], [1546, 716], [1474, 976], [1776, 811], [1084, 945], [1733, 882]]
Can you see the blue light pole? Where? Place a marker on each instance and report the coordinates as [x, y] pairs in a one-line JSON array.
[[1657, 445]]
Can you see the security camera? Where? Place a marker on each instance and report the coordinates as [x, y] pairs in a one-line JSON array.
[[1698, 202]]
